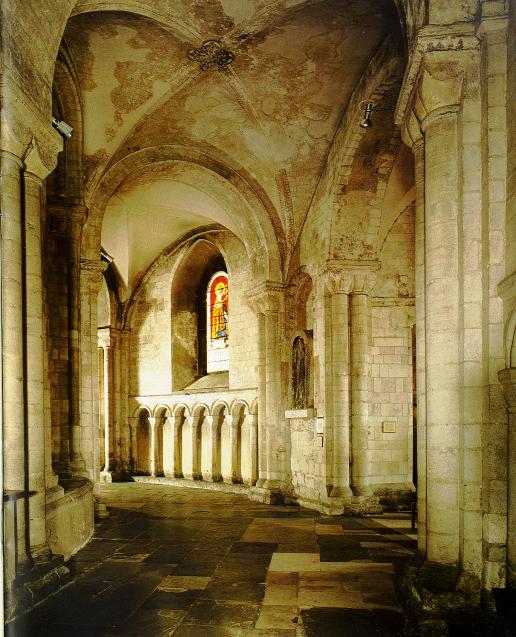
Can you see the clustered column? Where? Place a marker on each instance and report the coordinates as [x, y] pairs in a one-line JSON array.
[[349, 284], [13, 350], [34, 372], [76, 218], [90, 281], [25, 440]]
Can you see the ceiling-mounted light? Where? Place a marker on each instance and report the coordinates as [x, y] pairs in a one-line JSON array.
[[63, 128]]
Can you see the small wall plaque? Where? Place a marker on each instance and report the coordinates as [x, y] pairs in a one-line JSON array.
[[319, 425], [389, 426]]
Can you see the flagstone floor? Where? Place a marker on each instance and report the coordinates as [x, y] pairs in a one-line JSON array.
[[193, 563]]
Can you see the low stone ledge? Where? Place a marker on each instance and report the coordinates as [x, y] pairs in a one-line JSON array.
[[295, 414], [70, 519], [186, 483]]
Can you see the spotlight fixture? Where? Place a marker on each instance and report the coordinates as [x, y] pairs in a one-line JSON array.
[[367, 122], [64, 129]]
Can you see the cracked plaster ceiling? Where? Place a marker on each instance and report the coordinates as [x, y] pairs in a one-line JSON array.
[[272, 112]]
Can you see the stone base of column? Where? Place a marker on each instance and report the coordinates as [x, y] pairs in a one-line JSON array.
[[267, 494], [64, 472], [438, 597], [46, 577], [54, 493], [212, 477], [77, 465], [344, 493], [399, 497], [105, 476], [101, 510], [51, 479], [325, 505], [363, 505]]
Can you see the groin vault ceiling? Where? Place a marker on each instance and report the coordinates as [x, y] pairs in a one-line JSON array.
[[265, 98]]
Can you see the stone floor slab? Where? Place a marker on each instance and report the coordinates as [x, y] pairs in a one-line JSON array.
[[172, 562]]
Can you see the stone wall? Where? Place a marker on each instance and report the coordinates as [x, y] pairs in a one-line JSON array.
[[392, 316], [390, 418], [151, 335]]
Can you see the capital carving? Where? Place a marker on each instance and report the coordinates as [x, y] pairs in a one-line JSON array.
[[411, 132], [433, 79], [67, 218], [106, 337], [345, 276], [266, 298], [92, 272]]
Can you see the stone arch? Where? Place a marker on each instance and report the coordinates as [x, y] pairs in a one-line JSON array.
[[181, 408], [262, 235], [194, 443], [67, 105], [173, 441], [218, 406], [237, 403], [358, 205], [161, 415], [246, 446], [384, 71], [177, 26]]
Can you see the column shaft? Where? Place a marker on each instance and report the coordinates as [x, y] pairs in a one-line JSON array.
[[13, 345], [74, 236], [133, 439], [360, 381], [91, 279], [35, 365], [419, 174], [262, 401], [108, 407], [152, 446], [117, 401], [340, 393], [274, 439], [124, 392], [442, 336]]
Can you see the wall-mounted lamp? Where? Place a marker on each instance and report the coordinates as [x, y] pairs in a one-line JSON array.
[[367, 122], [64, 129]]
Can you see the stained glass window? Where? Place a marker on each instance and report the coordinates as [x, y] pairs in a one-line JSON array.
[[217, 332]]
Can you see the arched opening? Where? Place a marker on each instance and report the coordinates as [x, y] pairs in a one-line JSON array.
[[143, 460], [190, 314], [161, 440]]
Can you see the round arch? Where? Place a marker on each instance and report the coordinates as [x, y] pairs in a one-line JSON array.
[[262, 235]]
